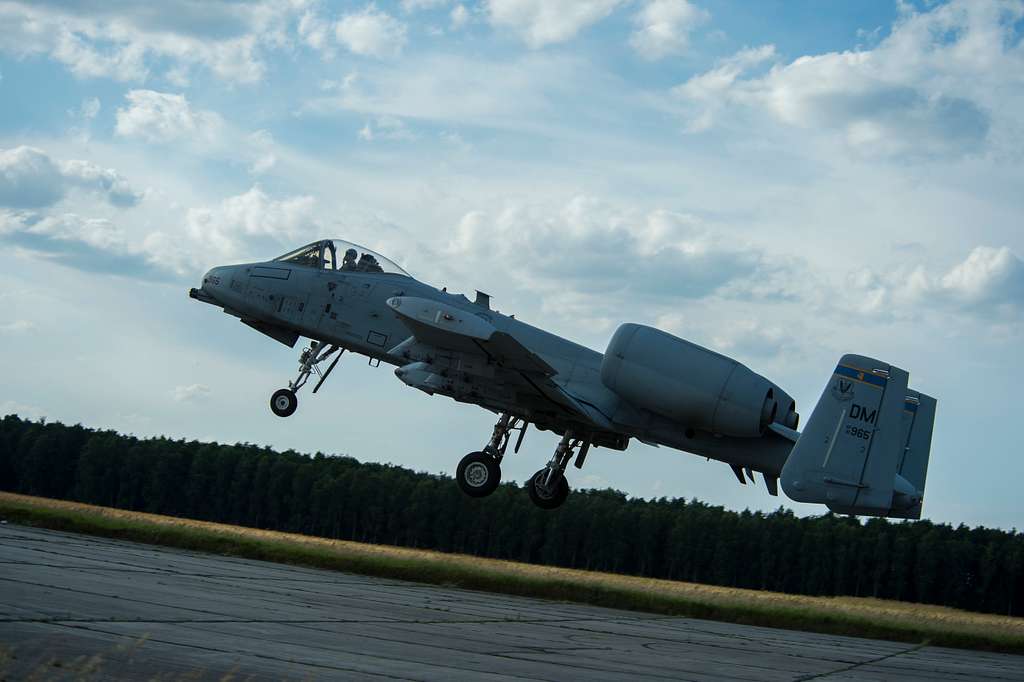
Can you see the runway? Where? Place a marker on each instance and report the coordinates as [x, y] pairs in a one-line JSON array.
[[74, 606]]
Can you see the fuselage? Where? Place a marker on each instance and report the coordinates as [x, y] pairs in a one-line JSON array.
[[350, 309]]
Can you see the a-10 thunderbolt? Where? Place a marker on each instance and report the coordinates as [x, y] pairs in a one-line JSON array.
[[863, 451]]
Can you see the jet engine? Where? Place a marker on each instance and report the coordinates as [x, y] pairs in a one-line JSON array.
[[690, 384]]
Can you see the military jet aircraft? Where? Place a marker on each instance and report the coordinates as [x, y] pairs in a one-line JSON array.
[[864, 450]]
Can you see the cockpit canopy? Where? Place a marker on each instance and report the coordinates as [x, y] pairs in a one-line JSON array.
[[338, 254]]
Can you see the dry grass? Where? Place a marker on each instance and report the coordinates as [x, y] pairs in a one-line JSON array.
[[840, 615]]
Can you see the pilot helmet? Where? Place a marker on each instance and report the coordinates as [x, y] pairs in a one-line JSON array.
[[351, 254]]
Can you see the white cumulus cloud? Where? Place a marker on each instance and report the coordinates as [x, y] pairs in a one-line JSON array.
[[243, 224], [542, 22], [989, 281], [126, 41], [663, 27], [30, 178], [165, 117], [87, 244], [938, 85], [371, 32], [190, 393], [987, 276]]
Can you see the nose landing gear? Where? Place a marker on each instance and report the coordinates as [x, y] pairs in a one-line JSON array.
[[284, 401], [479, 473]]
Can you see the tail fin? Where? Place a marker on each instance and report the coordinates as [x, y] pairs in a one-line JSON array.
[[865, 448]]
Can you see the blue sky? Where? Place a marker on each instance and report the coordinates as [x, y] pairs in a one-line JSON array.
[[780, 181]]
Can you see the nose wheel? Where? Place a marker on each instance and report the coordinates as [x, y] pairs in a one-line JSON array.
[[285, 401]]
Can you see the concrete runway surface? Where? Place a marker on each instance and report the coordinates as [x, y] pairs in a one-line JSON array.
[[75, 606]]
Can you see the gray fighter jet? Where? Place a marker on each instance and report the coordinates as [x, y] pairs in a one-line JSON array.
[[864, 450]]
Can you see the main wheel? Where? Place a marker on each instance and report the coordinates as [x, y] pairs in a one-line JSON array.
[[548, 498], [478, 474], [284, 402]]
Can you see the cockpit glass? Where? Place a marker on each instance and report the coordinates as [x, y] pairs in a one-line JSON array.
[[307, 255], [338, 254]]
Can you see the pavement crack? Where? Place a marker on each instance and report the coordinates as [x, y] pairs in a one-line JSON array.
[[860, 664]]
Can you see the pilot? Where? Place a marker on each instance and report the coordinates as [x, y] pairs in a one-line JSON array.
[[367, 263], [349, 262]]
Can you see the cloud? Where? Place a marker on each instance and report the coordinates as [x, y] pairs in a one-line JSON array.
[[989, 281], [23, 410], [125, 41], [417, 5], [663, 27], [314, 30], [190, 393], [17, 327], [89, 108], [386, 128], [591, 246], [987, 276], [541, 22], [935, 87], [88, 244], [371, 32], [752, 338], [533, 92], [709, 92], [459, 17], [30, 178], [251, 223], [259, 147], [165, 117]]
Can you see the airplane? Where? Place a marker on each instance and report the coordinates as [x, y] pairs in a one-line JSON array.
[[864, 450]]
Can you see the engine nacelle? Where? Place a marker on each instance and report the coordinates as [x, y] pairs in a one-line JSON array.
[[687, 383]]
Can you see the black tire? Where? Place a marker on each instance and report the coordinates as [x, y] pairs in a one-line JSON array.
[[544, 499], [284, 402], [478, 474]]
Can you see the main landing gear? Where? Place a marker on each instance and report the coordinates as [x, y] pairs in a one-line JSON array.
[[479, 473], [284, 401], [548, 487]]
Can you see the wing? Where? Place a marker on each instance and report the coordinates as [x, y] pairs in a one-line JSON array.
[[499, 367]]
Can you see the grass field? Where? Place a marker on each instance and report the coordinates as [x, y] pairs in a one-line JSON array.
[[835, 615]]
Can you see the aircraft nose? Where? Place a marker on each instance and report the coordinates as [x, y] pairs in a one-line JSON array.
[[211, 290]]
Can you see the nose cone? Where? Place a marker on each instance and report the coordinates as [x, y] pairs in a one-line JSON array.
[[214, 287]]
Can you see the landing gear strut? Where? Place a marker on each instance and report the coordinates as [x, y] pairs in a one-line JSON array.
[[548, 487], [284, 401], [479, 473]]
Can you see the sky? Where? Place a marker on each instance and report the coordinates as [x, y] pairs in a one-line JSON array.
[[783, 182]]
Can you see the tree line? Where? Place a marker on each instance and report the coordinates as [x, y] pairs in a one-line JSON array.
[[978, 569]]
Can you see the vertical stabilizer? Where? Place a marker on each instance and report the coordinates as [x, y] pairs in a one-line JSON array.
[[864, 451], [918, 420]]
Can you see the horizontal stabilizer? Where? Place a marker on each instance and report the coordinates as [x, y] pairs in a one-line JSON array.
[[865, 448]]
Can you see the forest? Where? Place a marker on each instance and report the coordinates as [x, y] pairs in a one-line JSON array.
[[978, 569]]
